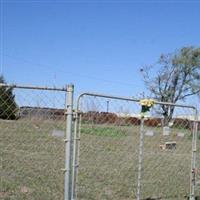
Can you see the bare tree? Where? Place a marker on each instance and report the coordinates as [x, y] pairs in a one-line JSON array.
[[173, 78]]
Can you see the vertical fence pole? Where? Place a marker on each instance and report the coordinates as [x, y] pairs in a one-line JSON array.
[[76, 149], [68, 143], [141, 146], [74, 162], [193, 164]]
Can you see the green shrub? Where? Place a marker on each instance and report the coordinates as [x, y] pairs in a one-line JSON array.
[[8, 106]]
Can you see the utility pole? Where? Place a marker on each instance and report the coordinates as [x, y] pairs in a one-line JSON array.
[[107, 106]]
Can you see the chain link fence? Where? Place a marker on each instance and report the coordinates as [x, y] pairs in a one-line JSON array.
[[119, 155], [108, 160], [113, 153], [198, 161], [167, 155], [32, 129]]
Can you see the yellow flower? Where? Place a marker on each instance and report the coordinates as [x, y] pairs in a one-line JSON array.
[[147, 102]]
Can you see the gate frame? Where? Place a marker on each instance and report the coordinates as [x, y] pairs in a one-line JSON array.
[[77, 135]]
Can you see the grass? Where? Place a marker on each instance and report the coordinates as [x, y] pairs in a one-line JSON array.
[[103, 131], [110, 170], [32, 158], [31, 161]]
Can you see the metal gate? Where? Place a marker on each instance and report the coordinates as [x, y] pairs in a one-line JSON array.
[[121, 154]]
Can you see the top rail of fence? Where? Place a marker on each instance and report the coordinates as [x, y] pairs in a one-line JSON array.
[[134, 100], [32, 87]]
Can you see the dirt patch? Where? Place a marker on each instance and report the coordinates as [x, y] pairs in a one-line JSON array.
[[25, 190], [3, 195]]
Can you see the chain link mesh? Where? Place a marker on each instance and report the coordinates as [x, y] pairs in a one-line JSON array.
[[32, 129], [33, 126], [109, 151], [198, 161], [167, 155]]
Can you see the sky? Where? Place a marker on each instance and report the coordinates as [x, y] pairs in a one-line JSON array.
[[99, 46]]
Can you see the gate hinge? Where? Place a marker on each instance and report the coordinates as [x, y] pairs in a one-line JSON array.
[[76, 114]]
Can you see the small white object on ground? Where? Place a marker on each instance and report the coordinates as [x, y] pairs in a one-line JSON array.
[[149, 133], [180, 134], [58, 133]]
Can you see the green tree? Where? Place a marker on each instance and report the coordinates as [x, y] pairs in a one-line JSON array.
[[8, 106], [173, 78]]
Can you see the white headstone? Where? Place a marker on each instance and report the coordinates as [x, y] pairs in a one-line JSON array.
[[166, 130], [149, 133], [180, 134], [58, 133]]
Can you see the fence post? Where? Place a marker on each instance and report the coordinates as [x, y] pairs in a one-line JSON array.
[[141, 148], [194, 150], [68, 143]]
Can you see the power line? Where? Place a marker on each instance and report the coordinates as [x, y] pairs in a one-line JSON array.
[[103, 1], [72, 73]]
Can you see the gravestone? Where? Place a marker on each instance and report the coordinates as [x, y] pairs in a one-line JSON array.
[[170, 145], [149, 133], [166, 130], [58, 133], [180, 134]]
